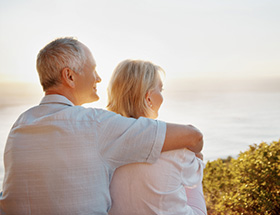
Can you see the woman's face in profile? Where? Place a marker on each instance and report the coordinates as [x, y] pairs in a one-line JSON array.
[[155, 99]]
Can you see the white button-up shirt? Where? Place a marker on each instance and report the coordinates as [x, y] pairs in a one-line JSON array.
[[60, 158], [157, 188]]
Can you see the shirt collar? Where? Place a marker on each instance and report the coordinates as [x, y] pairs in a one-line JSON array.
[[56, 99]]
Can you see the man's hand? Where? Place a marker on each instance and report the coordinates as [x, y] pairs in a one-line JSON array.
[[199, 155], [182, 136]]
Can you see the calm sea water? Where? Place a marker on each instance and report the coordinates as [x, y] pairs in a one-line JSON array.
[[229, 120]]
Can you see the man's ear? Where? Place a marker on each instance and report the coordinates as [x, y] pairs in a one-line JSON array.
[[68, 77]]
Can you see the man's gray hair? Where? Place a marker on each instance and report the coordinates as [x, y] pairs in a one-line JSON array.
[[61, 53]]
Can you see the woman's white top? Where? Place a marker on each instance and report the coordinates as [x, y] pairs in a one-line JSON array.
[[157, 188]]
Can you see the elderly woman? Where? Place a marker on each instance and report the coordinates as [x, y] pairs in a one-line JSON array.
[[173, 184]]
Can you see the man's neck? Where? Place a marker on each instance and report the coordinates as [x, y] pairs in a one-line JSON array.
[[63, 92]]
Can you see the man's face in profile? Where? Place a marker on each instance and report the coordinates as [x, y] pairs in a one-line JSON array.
[[85, 83]]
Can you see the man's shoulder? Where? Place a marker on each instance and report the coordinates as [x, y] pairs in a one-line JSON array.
[[57, 112], [89, 112]]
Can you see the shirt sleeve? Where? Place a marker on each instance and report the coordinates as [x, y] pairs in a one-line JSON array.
[[192, 169], [127, 140]]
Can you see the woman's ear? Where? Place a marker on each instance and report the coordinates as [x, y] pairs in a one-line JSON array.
[[68, 77], [148, 99]]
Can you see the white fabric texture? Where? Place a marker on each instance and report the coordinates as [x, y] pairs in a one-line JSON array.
[[60, 158], [196, 200], [157, 188]]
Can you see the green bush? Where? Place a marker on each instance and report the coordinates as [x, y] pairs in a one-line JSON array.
[[249, 184]]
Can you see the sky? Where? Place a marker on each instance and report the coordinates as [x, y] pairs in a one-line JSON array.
[[212, 39]]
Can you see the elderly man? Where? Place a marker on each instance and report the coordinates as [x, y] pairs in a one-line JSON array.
[[60, 157]]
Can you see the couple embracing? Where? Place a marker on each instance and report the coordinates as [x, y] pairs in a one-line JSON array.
[[62, 158]]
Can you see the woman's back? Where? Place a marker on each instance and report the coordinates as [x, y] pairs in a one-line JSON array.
[[157, 188]]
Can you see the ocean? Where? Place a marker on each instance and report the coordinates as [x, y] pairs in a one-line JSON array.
[[231, 117]]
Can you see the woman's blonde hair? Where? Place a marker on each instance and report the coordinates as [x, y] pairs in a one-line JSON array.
[[129, 84]]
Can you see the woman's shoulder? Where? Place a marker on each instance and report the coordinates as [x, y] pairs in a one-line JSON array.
[[178, 153]]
